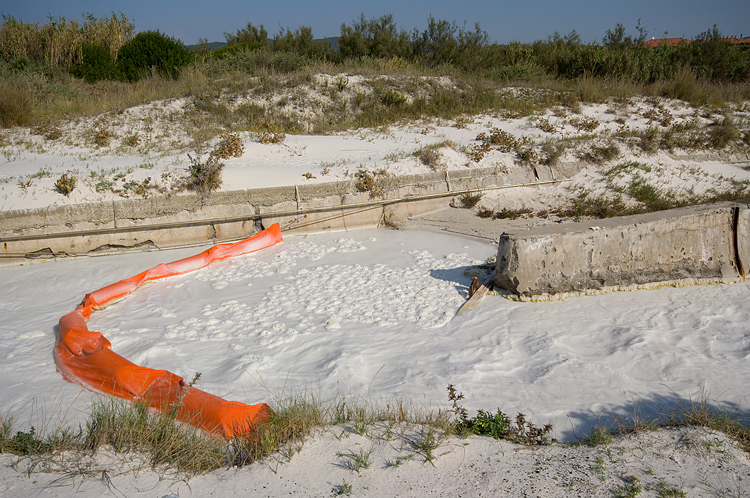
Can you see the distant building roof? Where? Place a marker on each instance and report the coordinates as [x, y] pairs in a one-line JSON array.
[[670, 42], [673, 42], [737, 41]]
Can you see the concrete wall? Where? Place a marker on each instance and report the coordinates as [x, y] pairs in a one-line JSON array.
[[695, 244], [163, 222]]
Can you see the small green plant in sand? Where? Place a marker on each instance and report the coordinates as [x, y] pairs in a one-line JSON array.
[[471, 199], [426, 442], [498, 425], [66, 184], [357, 461], [342, 489], [630, 488]]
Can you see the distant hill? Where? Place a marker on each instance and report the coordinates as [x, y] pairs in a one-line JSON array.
[[213, 45], [333, 41]]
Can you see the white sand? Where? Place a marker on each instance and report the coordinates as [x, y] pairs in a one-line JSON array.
[[286, 321], [370, 315]]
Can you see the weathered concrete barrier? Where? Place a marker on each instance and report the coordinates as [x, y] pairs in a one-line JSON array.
[[698, 244], [162, 222]]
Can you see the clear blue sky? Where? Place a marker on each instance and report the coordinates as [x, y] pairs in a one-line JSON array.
[[503, 20]]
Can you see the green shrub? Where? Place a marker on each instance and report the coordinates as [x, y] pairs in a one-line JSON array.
[[96, 64], [253, 59], [26, 443], [248, 35], [487, 424], [378, 38], [525, 71], [228, 51], [152, 51]]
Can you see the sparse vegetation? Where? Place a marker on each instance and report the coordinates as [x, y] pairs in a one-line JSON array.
[[102, 137], [600, 153], [357, 461], [512, 214]]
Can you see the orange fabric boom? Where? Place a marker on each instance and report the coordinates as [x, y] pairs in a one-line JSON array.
[[85, 357]]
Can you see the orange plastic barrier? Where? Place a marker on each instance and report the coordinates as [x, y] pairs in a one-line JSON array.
[[85, 357]]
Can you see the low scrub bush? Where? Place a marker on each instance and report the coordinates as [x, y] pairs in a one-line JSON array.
[[102, 137], [271, 137], [553, 151], [595, 207], [484, 212], [205, 174], [599, 154], [29, 442], [513, 214]]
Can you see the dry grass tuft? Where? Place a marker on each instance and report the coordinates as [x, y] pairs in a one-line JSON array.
[[16, 104]]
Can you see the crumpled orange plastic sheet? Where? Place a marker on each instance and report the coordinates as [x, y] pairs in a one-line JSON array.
[[86, 358]]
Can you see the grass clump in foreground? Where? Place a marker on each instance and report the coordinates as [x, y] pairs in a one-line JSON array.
[[161, 441], [701, 413]]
